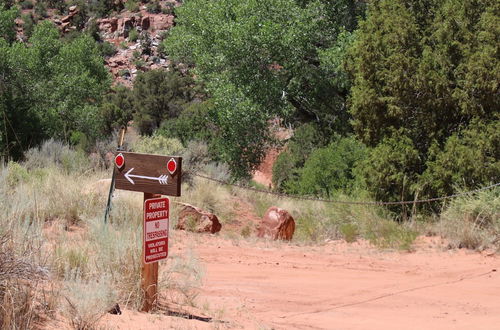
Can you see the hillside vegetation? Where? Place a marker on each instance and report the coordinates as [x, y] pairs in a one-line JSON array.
[[397, 98]]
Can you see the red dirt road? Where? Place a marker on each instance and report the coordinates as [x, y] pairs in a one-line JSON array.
[[268, 285], [340, 286]]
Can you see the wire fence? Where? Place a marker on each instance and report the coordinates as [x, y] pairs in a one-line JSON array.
[[307, 198]]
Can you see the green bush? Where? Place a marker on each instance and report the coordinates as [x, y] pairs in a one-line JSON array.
[[472, 221], [168, 9], [132, 6], [133, 35], [41, 9], [330, 169], [27, 4], [390, 234], [29, 25], [107, 49], [192, 123], [350, 232], [284, 170], [306, 138], [153, 7], [158, 144], [159, 95], [16, 174]]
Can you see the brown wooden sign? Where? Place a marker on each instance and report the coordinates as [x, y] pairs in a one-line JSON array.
[[147, 173]]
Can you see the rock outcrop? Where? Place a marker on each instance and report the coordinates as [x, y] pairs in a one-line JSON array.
[[276, 224], [194, 219]]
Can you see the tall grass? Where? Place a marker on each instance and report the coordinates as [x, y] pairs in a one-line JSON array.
[[472, 221], [51, 211], [318, 221]]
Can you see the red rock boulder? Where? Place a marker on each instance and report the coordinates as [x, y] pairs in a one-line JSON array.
[[276, 224], [197, 220]]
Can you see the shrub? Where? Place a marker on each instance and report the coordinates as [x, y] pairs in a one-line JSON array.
[[107, 49], [284, 170], [133, 35], [330, 169], [473, 221], [158, 95], [20, 290], [29, 24], [158, 144], [389, 234], [54, 153], [168, 9], [146, 43], [132, 6], [139, 63], [391, 169], [193, 123], [305, 139], [16, 174], [41, 9], [350, 232], [26, 4], [153, 7], [86, 301]]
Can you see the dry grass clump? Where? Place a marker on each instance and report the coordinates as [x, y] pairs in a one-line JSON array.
[[209, 196], [472, 222], [181, 277], [22, 296], [87, 301]]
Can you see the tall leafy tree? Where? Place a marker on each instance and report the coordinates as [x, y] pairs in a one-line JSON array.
[[49, 88], [157, 96], [268, 54], [422, 72], [7, 25]]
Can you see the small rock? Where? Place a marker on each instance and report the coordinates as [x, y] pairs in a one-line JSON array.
[[197, 220], [115, 310], [276, 224]]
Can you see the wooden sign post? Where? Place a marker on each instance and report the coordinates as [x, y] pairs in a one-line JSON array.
[[154, 175]]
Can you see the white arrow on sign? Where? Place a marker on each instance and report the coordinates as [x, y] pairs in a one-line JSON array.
[[162, 179]]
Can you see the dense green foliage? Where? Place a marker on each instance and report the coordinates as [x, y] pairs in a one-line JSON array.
[[330, 169], [49, 88], [264, 59], [422, 71], [158, 96], [399, 98], [286, 169]]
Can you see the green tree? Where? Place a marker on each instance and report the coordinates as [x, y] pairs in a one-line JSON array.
[[425, 69], [469, 159], [193, 123], [117, 109], [157, 96], [390, 172], [267, 52], [49, 88], [7, 25]]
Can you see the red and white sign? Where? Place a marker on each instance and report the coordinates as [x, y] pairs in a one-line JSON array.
[[156, 213]]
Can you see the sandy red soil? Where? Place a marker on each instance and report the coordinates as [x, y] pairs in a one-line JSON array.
[[267, 285]]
